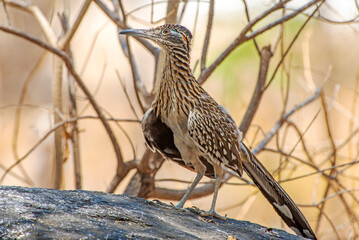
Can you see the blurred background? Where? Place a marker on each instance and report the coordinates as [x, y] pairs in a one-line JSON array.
[[314, 154]]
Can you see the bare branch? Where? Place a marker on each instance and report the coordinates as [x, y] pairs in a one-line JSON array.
[[57, 103], [120, 167], [265, 55], [58, 125]]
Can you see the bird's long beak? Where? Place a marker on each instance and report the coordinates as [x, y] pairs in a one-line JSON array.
[[142, 33]]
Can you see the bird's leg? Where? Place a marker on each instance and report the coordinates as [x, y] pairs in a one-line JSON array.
[[189, 190], [212, 211], [189, 156], [215, 194]]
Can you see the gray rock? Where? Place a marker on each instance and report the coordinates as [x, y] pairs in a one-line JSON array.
[[37, 213]]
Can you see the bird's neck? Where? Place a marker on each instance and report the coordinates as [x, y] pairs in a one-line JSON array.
[[178, 89]]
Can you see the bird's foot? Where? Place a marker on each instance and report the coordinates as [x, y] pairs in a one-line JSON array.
[[212, 213], [181, 208]]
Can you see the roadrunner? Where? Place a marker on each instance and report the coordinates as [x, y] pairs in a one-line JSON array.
[[185, 124]]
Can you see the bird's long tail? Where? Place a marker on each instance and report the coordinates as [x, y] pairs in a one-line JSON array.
[[275, 194]]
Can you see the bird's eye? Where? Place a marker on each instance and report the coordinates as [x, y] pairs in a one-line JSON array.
[[165, 31]]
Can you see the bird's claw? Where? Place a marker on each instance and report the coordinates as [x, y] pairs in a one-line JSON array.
[[212, 214], [195, 209]]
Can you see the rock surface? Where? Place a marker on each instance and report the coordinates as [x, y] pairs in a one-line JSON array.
[[37, 213]]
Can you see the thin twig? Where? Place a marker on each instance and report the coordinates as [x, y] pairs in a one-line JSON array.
[[280, 122], [179, 20], [126, 94], [65, 40], [91, 48], [333, 160], [8, 22], [208, 35], [291, 44], [114, 17], [249, 19], [18, 113]]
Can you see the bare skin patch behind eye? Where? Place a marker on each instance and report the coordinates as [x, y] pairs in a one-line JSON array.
[[184, 38]]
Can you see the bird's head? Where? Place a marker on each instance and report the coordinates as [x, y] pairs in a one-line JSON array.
[[168, 36]]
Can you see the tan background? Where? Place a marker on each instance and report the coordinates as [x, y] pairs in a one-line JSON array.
[[320, 49]]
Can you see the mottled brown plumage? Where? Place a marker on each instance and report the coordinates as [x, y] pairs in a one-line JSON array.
[[185, 124]]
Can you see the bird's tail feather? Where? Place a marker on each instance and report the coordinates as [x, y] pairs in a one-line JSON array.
[[275, 194]]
